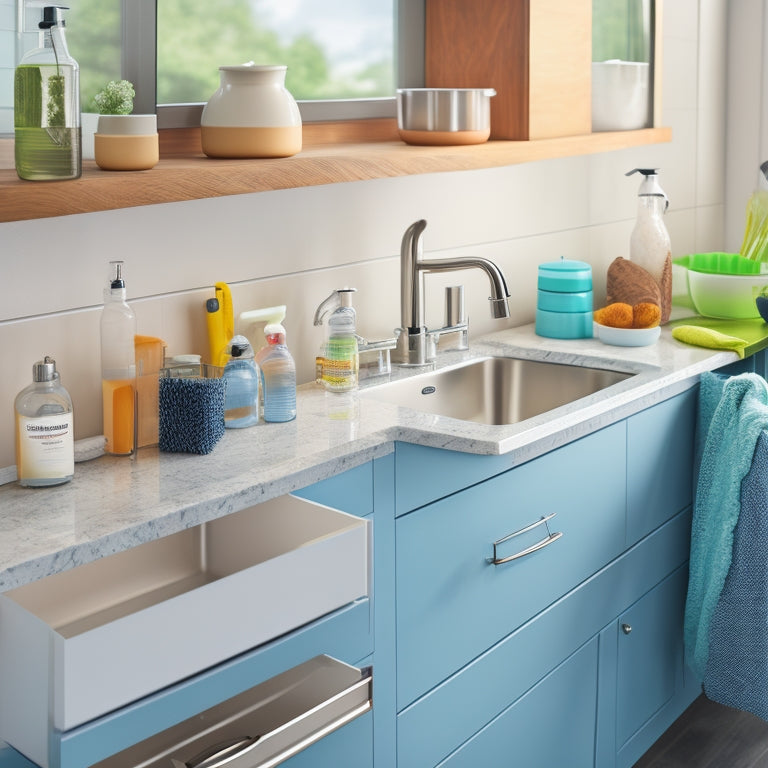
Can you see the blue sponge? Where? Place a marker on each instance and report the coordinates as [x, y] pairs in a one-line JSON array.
[[191, 414]]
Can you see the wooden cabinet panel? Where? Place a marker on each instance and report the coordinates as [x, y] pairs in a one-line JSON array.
[[537, 54]]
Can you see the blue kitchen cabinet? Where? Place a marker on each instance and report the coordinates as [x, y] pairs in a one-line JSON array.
[[484, 650]]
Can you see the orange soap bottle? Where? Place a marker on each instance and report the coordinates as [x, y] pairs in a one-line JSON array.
[[118, 365]]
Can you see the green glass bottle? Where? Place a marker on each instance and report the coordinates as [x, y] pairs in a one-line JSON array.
[[46, 103]]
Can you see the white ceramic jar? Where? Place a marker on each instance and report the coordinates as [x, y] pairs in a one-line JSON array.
[[251, 114]]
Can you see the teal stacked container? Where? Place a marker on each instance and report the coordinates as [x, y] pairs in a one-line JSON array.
[[564, 304]]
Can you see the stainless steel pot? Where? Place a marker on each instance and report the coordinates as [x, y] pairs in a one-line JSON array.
[[444, 115]]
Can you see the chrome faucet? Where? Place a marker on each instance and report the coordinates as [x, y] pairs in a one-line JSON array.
[[413, 336]]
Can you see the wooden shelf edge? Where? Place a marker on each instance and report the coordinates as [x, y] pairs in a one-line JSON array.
[[329, 156]]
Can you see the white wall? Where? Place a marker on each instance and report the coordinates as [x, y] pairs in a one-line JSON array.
[[295, 246]]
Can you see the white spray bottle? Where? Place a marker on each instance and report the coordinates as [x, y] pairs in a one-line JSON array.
[[276, 365]]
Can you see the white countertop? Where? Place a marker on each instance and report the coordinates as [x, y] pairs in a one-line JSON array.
[[114, 503]]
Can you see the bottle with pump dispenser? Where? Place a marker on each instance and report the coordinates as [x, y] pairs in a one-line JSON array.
[[44, 429], [338, 363], [649, 244], [118, 365], [46, 105], [275, 364], [241, 401]]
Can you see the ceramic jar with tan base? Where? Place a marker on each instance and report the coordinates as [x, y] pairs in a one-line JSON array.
[[126, 142], [251, 114]]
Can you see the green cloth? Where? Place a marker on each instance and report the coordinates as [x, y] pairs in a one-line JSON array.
[[707, 337]]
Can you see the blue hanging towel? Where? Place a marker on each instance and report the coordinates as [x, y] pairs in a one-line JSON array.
[[737, 668], [738, 418]]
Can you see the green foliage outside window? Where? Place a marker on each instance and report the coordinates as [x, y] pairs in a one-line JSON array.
[[196, 37], [621, 30]]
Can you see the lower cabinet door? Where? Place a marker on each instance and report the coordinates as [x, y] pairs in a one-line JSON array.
[[553, 724], [650, 655]]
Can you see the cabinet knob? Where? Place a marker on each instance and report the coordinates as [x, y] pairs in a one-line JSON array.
[[626, 628]]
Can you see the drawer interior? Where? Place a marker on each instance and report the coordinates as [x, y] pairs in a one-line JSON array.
[[97, 593], [264, 725]]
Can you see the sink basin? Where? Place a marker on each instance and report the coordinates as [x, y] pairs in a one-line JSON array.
[[495, 390]]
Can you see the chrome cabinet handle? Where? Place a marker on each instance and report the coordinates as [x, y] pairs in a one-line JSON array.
[[545, 542], [216, 755], [626, 628]]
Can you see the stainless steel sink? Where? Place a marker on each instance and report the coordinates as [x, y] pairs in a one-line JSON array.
[[495, 390]]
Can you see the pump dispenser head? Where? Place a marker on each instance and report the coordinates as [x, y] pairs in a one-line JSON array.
[[240, 348], [116, 275], [650, 184], [44, 370], [52, 16], [341, 297]]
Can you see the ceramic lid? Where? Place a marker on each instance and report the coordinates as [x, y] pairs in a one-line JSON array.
[[566, 276]]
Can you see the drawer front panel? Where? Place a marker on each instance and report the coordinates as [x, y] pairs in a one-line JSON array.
[[344, 635], [452, 603], [552, 725], [439, 722], [660, 450]]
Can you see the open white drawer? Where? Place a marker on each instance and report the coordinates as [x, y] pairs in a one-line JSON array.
[[263, 726], [87, 641]]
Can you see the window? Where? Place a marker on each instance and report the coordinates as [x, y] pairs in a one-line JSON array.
[[340, 53]]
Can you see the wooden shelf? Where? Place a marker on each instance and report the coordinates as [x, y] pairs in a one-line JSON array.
[[333, 153]]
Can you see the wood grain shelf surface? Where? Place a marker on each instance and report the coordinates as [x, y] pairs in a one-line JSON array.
[[332, 154]]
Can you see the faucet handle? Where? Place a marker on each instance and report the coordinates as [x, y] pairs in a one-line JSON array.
[[454, 306]]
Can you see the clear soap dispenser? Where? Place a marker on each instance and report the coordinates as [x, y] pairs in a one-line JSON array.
[[241, 401], [46, 105], [118, 364], [44, 429], [338, 363], [649, 244]]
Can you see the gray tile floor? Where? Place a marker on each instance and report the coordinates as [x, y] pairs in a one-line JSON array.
[[709, 735]]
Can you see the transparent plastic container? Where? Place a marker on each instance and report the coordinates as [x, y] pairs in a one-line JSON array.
[[44, 429], [46, 106]]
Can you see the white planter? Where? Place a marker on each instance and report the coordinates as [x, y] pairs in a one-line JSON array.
[[620, 95], [126, 142]]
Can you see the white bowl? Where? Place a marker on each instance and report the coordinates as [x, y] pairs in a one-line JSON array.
[[730, 297], [627, 337]]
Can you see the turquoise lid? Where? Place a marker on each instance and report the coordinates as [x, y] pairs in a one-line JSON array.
[[566, 276]]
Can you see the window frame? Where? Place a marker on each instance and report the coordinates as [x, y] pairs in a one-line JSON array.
[[139, 65]]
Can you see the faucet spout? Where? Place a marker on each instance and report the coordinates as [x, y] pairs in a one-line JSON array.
[[412, 333]]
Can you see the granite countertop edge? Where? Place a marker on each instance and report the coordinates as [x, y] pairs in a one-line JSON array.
[[115, 503]]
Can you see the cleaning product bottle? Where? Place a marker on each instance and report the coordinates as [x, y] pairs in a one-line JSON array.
[[338, 363], [220, 322], [45, 453], [649, 244], [276, 365], [46, 104], [118, 365], [241, 401]]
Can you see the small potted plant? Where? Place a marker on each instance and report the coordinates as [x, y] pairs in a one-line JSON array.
[[123, 141]]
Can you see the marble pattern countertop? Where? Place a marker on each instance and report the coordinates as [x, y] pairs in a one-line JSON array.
[[115, 503]]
